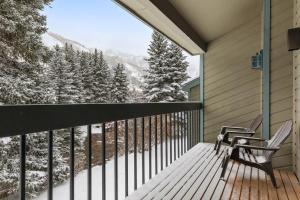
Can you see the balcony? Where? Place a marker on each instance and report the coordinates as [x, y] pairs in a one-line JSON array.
[[163, 131], [196, 175], [178, 166]]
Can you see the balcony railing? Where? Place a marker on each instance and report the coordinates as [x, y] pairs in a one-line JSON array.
[[176, 124]]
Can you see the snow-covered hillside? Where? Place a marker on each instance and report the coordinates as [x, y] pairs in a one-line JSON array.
[[135, 65]]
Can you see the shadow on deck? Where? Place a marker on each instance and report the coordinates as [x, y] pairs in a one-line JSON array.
[[196, 176]]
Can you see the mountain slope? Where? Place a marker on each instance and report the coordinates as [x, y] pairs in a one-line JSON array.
[[135, 65]]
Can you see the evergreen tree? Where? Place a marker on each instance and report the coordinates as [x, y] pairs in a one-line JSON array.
[[74, 62], [166, 73], [21, 27], [154, 88], [36, 164], [87, 77], [120, 89], [176, 73], [101, 79], [62, 77]]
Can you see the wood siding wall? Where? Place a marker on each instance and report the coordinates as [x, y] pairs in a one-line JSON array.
[[195, 93], [296, 89], [232, 88], [281, 77], [233, 91]]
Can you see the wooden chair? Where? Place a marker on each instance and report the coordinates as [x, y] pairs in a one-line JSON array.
[[262, 161], [226, 131]]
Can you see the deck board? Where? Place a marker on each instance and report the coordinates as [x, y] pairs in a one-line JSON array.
[[196, 176]]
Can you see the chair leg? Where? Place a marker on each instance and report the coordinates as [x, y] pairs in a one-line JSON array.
[[273, 178], [216, 144], [224, 158], [225, 164], [248, 151], [270, 172], [218, 147], [223, 161]]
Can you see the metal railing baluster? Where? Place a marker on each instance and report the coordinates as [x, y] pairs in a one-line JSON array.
[[126, 158], [89, 177], [181, 135], [188, 130], [150, 149], [155, 132], [174, 134], [116, 159], [143, 150], [194, 128], [166, 139], [23, 167], [198, 128], [50, 165], [103, 161], [178, 145], [72, 163], [135, 152], [170, 131], [161, 143], [184, 132]]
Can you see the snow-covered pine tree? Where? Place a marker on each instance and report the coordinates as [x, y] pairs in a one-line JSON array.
[[74, 62], [21, 26], [120, 88], [176, 73], [36, 164], [87, 77], [62, 77], [155, 86], [166, 73], [101, 79]]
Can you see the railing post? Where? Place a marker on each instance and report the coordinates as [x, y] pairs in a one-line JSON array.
[[89, 177], [23, 167], [116, 159], [103, 162], [50, 165], [135, 152], [72, 163], [126, 158], [201, 114]]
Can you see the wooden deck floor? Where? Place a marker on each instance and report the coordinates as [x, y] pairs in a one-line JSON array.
[[196, 176]]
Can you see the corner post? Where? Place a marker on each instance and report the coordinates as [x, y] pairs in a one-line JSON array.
[[201, 75], [266, 70]]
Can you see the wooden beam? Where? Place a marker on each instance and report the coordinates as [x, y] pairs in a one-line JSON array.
[[170, 11]]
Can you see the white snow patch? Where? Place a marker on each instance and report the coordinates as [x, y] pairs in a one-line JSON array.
[[62, 191]]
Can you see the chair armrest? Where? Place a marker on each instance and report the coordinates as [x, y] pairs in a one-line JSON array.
[[256, 147], [234, 127], [240, 132], [236, 138], [224, 129]]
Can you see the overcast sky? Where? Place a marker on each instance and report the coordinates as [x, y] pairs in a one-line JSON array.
[[103, 24]]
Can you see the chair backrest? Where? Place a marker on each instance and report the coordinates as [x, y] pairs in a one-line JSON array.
[[280, 136], [256, 123]]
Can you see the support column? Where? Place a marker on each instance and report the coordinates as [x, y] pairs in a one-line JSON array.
[[266, 70]]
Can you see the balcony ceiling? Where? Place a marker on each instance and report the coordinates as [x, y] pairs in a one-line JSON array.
[[193, 23], [213, 18]]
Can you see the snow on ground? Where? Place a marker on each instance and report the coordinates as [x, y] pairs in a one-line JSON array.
[[96, 129], [5, 140], [62, 191]]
